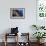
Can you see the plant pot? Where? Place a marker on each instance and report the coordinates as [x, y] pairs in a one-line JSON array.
[[40, 41]]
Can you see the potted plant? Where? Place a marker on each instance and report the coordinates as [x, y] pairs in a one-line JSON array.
[[42, 27], [35, 26], [39, 35], [38, 27]]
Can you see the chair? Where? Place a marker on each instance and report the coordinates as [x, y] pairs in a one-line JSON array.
[[14, 32], [25, 36], [7, 35]]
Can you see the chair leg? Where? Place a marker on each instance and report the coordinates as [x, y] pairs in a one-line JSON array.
[[5, 40], [5, 43]]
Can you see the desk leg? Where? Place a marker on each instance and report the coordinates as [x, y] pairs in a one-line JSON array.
[[17, 40]]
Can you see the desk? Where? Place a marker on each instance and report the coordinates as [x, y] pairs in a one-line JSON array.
[[8, 34]]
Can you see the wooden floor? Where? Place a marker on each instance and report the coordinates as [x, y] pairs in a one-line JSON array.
[[13, 44]]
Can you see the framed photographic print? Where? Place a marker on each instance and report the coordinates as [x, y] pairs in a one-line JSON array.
[[17, 13]]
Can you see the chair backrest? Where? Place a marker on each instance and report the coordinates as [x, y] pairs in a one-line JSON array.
[[14, 30]]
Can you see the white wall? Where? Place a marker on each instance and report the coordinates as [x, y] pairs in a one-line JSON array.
[[23, 24]]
